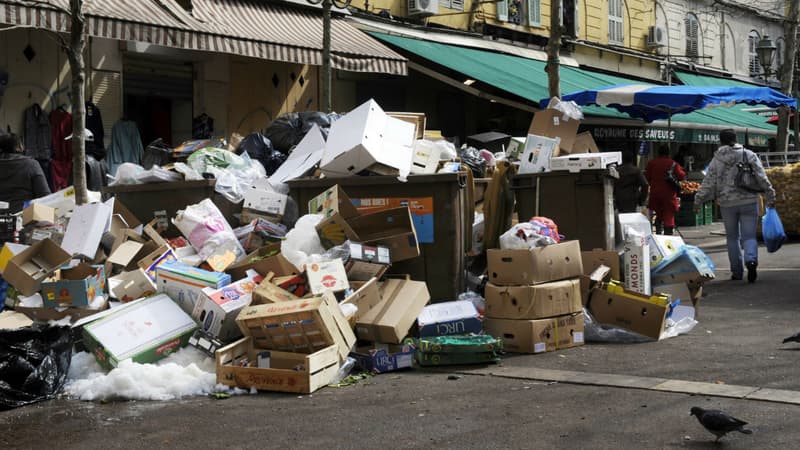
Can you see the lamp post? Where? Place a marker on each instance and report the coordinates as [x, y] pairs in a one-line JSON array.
[[766, 52], [326, 47]]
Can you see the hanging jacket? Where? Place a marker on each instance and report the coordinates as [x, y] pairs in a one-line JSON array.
[[94, 123], [126, 145], [719, 182], [61, 166], [38, 140]]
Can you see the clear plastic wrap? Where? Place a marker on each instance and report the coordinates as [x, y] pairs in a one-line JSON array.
[[569, 110], [126, 174], [232, 172], [476, 299], [523, 236], [210, 234], [302, 241]]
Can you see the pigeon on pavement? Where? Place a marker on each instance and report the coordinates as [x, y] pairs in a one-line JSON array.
[[793, 338], [718, 422]]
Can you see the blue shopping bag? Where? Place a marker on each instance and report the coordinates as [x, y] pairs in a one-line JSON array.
[[772, 230]]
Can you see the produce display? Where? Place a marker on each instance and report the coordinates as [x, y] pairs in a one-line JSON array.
[[787, 201], [689, 187]]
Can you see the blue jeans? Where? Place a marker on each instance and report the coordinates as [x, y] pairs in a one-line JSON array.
[[740, 231]]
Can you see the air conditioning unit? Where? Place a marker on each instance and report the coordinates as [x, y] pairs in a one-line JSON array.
[[656, 36], [423, 7]]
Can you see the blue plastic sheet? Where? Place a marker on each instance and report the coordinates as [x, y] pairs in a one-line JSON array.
[[772, 230]]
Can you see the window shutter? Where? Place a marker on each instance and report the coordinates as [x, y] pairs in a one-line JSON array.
[[444, 3], [502, 10], [534, 13], [457, 5]]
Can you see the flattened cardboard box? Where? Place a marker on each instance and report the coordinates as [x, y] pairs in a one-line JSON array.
[[449, 318], [537, 336], [552, 123], [552, 299], [628, 310], [144, 331], [390, 321], [26, 270], [535, 266], [384, 358]]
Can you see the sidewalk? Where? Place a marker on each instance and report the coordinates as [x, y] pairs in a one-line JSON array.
[[703, 236]]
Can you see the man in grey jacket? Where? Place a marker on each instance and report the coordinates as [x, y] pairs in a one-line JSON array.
[[739, 207]]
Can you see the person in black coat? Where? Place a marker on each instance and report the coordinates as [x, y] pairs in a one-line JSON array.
[[630, 190]]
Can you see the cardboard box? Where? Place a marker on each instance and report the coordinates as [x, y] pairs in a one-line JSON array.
[[364, 137], [553, 124], [584, 143], [85, 229], [676, 291], [11, 320], [634, 221], [26, 270], [264, 260], [75, 286], [364, 298], [537, 265], [260, 196], [237, 366], [597, 257], [643, 314], [390, 321], [663, 247], [63, 201], [131, 285], [585, 161], [689, 265], [367, 261], [425, 159], [327, 276], [184, 284], [600, 275], [299, 326], [217, 309], [335, 207], [294, 284], [415, 118], [516, 146], [8, 251], [382, 358], [143, 331], [150, 263], [267, 292], [304, 157], [537, 154], [537, 336], [44, 314], [636, 264], [38, 212], [447, 318], [392, 228], [533, 302]]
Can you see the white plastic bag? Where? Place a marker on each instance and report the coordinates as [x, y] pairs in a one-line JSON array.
[[523, 236], [127, 174], [210, 234], [302, 241]]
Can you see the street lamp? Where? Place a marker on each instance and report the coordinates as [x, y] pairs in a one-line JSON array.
[[766, 52], [326, 47]]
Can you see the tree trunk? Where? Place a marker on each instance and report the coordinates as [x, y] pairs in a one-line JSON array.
[[553, 47], [77, 42], [786, 74]]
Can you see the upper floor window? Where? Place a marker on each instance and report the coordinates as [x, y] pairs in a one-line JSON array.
[[692, 36], [780, 47], [452, 4], [752, 43], [569, 17], [534, 13], [615, 34]]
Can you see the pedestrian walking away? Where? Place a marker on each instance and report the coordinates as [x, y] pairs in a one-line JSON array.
[[664, 201], [630, 189], [21, 177], [739, 207]]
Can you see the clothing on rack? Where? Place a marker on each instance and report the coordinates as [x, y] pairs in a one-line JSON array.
[[38, 140], [126, 145], [202, 127], [94, 123], [61, 164]]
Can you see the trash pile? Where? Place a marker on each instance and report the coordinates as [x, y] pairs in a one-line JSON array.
[[236, 282]]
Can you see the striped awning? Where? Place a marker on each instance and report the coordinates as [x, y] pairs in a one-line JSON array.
[[264, 30]]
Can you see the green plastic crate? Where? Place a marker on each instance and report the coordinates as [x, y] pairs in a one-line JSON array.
[[686, 217], [708, 213]]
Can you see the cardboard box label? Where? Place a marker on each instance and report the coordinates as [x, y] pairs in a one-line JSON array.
[[636, 261], [327, 276]]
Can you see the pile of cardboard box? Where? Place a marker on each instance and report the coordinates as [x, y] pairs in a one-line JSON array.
[[533, 298]]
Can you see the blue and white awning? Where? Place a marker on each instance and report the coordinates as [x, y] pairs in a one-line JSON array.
[[650, 102]]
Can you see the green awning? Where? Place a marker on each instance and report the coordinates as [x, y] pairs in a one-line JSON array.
[[527, 78], [695, 79]]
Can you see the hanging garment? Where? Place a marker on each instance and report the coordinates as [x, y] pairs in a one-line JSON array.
[[61, 165], [38, 140], [126, 145], [94, 123], [202, 127]]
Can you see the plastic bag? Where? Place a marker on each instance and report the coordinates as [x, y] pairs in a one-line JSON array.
[[256, 146], [547, 227], [302, 241], [569, 110], [344, 370], [593, 331], [232, 172], [476, 299], [34, 362], [285, 132], [524, 236], [772, 229], [210, 234], [126, 174], [470, 156], [157, 153]]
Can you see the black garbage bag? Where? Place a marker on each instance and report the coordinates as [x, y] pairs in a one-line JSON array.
[[472, 159], [285, 132], [273, 161], [257, 147], [34, 362], [156, 153], [322, 120]]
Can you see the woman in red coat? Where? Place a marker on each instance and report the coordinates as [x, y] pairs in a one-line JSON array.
[[663, 196]]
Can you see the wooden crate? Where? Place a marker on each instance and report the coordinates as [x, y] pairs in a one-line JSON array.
[[288, 372], [298, 326]]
